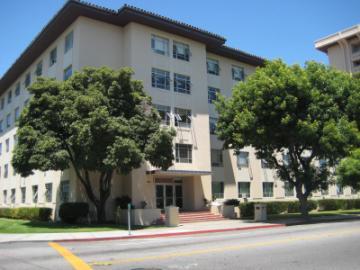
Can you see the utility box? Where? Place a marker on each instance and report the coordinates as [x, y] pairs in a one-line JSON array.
[[172, 216], [260, 212]]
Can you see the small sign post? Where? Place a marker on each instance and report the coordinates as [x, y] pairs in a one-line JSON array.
[[129, 218]]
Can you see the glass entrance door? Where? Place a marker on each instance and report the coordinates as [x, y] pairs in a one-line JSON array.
[[169, 194]]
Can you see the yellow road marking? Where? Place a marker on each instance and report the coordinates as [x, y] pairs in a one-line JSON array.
[[227, 248], [75, 261]]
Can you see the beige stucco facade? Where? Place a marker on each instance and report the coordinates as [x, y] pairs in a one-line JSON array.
[[96, 43]]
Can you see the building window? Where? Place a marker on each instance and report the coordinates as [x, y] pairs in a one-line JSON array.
[[8, 120], [17, 89], [289, 189], [1, 126], [38, 70], [17, 113], [355, 48], [69, 42], [238, 73], [339, 190], [212, 125], [216, 158], [9, 97], [13, 196], [243, 189], [6, 171], [217, 190], [67, 72], [212, 94], [243, 159], [65, 191], [160, 45], [35, 193], [212, 66], [182, 117], [53, 57], [182, 84], [7, 145], [181, 51], [164, 112], [23, 194], [0, 149], [27, 79], [4, 196], [356, 63], [264, 164], [2, 104], [183, 153], [268, 189], [160, 79], [286, 159], [48, 192]]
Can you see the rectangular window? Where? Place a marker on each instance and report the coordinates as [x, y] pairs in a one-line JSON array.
[[339, 190], [182, 117], [27, 79], [286, 159], [243, 159], [164, 112], [289, 189], [268, 189], [356, 63], [217, 158], [1, 126], [4, 196], [17, 89], [69, 42], [8, 120], [238, 73], [7, 145], [67, 72], [264, 164], [212, 125], [2, 104], [65, 191], [243, 189], [6, 171], [13, 196], [212, 66], [23, 194], [182, 84], [38, 70], [35, 194], [48, 192], [0, 149], [53, 57], [217, 190], [160, 45], [160, 78], [183, 153], [17, 113], [355, 48], [9, 97], [212, 94], [181, 51]]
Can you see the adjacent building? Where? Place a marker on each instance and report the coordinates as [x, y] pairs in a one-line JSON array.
[[182, 68]]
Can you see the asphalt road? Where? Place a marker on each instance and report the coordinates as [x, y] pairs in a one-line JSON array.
[[319, 246]]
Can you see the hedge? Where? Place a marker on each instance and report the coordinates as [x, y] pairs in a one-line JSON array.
[[70, 212], [30, 213], [337, 204]]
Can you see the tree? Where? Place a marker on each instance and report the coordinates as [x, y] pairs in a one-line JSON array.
[[348, 171], [293, 112], [97, 122]]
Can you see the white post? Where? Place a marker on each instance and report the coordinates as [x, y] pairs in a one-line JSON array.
[[129, 218]]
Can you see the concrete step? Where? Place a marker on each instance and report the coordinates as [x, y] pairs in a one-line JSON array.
[[196, 216]]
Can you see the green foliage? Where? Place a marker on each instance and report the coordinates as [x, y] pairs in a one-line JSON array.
[[337, 204], [123, 201], [348, 172], [247, 210], [301, 112], [30, 213], [98, 122], [71, 212], [234, 202]]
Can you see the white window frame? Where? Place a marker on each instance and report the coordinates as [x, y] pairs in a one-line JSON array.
[[182, 117], [69, 42], [178, 151], [213, 66], [211, 92], [177, 54], [238, 73], [159, 74], [243, 156], [160, 40], [182, 83]]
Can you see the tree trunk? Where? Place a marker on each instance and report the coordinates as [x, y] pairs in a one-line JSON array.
[[304, 210], [101, 211]]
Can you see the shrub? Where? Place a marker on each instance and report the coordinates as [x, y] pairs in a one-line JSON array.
[[275, 208], [311, 205], [247, 209], [328, 204], [293, 207], [123, 202], [70, 212], [30, 213], [234, 202]]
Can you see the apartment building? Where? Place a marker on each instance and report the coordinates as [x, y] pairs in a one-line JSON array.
[[182, 68], [343, 49]]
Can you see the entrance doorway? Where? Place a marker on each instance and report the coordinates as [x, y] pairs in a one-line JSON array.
[[168, 194]]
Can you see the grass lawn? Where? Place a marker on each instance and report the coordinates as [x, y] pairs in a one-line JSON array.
[[26, 226], [317, 214]]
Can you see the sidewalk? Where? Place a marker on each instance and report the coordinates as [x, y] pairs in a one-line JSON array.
[[183, 229]]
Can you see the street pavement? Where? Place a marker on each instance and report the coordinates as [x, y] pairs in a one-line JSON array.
[[328, 246]]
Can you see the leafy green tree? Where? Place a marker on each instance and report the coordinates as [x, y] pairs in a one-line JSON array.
[[98, 122], [348, 171], [293, 112]]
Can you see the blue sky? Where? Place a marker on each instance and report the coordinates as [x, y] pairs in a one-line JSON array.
[[272, 29]]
